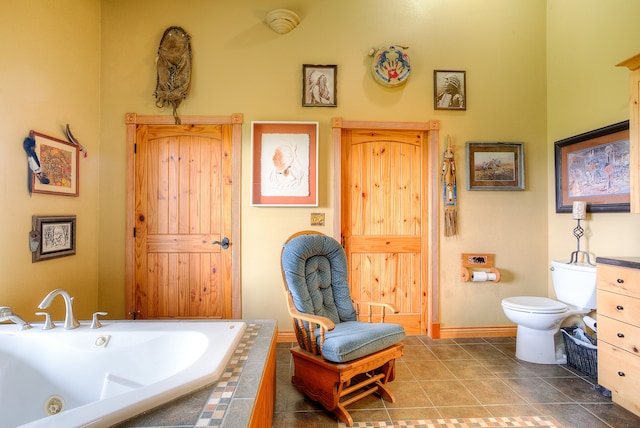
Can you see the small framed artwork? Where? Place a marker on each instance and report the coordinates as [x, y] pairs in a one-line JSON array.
[[594, 167], [59, 161], [284, 163], [449, 90], [54, 236], [495, 166], [319, 83]]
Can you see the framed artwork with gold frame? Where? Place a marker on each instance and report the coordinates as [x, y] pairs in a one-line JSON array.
[[59, 162]]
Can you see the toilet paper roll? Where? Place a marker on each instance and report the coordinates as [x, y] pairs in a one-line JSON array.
[[483, 276]]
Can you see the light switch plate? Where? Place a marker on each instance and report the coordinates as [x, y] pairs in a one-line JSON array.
[[317, 219]]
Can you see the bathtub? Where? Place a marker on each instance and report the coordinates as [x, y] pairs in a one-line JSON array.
[[97, 377]]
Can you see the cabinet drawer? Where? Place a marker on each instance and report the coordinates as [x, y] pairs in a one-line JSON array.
[[619, 280], [618, 307], [619, 334], [619, 371]]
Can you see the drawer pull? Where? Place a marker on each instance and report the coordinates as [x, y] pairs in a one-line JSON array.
[[619, 307], [620, 335], [620, 281], [621, 374]]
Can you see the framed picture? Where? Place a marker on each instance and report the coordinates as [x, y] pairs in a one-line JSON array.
[[59, 161], [319, 85], [449, 90], [55, 236], [594, 167], [284, 163], [495, 166]]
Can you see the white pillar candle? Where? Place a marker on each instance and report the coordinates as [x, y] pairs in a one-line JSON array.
[[579, 210]]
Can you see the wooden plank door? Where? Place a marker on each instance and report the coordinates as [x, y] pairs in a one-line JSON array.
[[183, 222], [383, 225]]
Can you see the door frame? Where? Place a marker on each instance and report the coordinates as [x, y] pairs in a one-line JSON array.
[[430, 245], [132, 120]]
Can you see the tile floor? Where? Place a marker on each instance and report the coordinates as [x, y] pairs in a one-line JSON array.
[[462, 378]]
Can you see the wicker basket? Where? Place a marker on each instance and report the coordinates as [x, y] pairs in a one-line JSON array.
[[579, 356]]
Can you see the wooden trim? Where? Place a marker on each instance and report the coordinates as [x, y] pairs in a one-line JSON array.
[[433, 226], [262, 412], [129, 250], [338, 122], [633, 64], [133, 118], [236, 204], [286, 337], [481, 331]]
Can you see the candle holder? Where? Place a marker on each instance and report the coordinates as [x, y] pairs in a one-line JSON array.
[[579, 213]]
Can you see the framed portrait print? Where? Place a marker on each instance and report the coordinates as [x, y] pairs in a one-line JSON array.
[[319, 83], [284, 163], [594, 167], [55, 236], [59, 164], [449, 90], [495, 166]]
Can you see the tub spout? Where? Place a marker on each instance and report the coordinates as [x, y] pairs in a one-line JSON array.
[[69, 319], [7, 314]]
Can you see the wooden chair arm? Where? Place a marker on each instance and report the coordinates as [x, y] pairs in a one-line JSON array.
[[323, 322], [298, 318], [371, 305]]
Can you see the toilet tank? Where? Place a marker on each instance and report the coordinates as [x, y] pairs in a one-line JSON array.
[[575, 283]]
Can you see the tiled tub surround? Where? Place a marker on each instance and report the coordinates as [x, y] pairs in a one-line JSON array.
[[230, 402]]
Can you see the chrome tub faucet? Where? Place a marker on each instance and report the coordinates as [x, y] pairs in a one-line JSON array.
[[7, 314], [69, 319]]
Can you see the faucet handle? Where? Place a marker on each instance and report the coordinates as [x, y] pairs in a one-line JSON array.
[[48, 324], [95, 322]]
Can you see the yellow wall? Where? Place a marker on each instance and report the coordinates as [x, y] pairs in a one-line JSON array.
[[523, 86], [49, 76], [585, 92]]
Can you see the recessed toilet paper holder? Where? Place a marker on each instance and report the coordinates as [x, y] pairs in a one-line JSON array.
[[484, 261]]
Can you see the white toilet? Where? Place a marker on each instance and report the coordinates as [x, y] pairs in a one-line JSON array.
[[540, 318]]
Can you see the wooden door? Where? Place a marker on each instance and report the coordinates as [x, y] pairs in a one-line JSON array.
[[385, 200], [183, 233]]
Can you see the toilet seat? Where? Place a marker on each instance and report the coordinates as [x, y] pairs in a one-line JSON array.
[[532, 304]]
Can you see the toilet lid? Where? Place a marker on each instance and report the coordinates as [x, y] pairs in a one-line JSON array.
[[535, 304]]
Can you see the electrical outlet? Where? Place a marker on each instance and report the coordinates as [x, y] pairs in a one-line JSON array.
[[317, 219]]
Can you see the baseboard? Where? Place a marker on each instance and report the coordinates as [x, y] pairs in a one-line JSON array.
[[445, 332], [480, 331], [286, 336]]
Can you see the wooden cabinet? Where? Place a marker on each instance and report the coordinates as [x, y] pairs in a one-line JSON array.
[[619, 334], [633, 64]]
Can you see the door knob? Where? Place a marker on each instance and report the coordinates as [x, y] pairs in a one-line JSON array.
[[224, 243]]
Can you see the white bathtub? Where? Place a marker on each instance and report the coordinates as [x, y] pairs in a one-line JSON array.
[[106, 375]]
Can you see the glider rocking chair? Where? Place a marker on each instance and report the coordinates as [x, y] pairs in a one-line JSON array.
[[339, 359]]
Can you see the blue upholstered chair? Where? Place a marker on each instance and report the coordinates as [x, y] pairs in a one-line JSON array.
[[339, 358]]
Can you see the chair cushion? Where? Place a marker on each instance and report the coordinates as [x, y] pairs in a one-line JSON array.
[[315, 267], [354, 339]]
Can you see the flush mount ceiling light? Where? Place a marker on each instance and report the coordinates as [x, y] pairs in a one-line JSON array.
[[282, 20]]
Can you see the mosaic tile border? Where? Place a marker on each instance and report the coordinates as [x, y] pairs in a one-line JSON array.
[[221, 395], [518, 421]]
